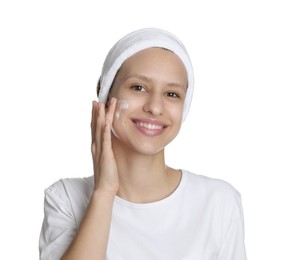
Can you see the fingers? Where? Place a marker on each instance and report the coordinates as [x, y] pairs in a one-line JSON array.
[[93, 120], [99, 115], [107, 137], [111, 110], [100, 122], [105, 169]]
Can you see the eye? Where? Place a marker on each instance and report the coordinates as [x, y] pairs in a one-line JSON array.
[[138, 88], [172, 94]]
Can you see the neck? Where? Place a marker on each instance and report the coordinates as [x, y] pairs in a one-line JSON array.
[[144, 178]]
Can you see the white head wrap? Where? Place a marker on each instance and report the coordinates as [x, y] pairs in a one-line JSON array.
[[135, 42]]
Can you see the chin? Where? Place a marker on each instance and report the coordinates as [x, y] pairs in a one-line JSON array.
[[136, 146], [150, 150]]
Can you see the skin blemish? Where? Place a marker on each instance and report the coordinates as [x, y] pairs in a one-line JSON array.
[[121, 105]]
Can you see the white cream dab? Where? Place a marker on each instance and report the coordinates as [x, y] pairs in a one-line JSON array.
[[121, 105]]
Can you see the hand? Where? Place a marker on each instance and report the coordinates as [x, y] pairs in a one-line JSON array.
[[104, 164]]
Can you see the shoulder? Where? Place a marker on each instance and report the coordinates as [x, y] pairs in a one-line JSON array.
[[75, 192], [70, 185], [212, 189], [209, 184], [71, 195]]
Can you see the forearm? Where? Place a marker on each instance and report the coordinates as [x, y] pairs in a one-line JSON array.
[[91, 239]]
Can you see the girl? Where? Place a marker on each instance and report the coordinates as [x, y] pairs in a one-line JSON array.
[[135, 206]]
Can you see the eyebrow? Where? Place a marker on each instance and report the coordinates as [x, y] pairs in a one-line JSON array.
[[139, 77], [144, 78]]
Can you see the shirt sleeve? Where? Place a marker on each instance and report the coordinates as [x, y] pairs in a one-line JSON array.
[[59, 224], [233, 246]]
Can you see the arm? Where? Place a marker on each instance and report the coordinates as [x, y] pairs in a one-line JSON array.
[[59, 226], [91, 239], [233, 247]]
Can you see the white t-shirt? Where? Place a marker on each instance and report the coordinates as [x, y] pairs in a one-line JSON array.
[[201, 220]]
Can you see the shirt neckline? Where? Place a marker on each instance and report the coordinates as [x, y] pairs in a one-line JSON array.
[[172, 196]]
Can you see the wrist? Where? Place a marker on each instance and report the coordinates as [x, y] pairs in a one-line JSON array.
[[103, 193]]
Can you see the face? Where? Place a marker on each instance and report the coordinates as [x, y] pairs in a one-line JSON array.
[[150, 87]]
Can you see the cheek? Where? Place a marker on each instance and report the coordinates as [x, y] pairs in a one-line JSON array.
[[126, 105], [119, 117], [176, 111], [121, 106]]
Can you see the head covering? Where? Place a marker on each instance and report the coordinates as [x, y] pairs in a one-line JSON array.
[[139, 40]]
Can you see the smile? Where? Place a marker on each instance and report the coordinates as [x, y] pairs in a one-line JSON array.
[[149, 126]]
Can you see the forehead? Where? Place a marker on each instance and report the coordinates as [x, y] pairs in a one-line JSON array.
[[153, 54], [156, 61]]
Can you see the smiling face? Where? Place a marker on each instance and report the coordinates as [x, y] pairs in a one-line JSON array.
[[150, 87]]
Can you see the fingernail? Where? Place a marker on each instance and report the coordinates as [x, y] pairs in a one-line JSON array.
[[112, 100]]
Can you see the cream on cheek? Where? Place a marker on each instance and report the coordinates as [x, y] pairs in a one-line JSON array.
[[120, 107]]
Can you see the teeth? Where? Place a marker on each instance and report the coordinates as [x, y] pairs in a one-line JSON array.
[[149, 126]]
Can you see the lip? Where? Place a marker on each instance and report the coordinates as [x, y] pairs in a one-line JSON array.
[[149, 127]]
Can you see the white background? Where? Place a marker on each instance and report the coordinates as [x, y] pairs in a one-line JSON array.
[[50, 59]]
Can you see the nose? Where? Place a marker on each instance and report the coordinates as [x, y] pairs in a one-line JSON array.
[[154, 104]]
